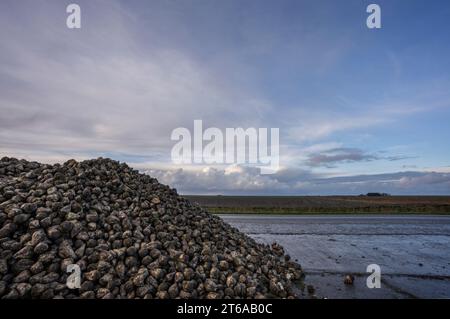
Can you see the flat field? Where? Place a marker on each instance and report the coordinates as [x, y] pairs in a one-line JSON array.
[[287, 205]]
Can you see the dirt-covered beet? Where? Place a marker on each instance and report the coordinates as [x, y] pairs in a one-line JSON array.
[[131, 237]]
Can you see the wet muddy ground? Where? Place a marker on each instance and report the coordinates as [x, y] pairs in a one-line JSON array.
[[412, 251]]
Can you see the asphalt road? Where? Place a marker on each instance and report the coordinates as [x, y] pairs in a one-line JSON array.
[[413, 252]]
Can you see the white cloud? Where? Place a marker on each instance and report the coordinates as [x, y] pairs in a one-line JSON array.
[[216, 181], [247, 181]]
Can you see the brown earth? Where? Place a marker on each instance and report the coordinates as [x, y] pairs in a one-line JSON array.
[[324, 204]]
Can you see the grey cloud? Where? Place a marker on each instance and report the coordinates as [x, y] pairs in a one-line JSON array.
[[293, 175], [248, 181], [329, 158], [394, 158], [218, 181], [401, 183], [339, 155], [104, 87], [431, 178]]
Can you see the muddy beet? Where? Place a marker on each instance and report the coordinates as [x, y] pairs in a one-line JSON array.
[[130, 236]]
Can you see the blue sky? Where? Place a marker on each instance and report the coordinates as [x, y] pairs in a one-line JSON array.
[[359, 110]]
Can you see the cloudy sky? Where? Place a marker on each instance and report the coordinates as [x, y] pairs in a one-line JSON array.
[[358, 110]]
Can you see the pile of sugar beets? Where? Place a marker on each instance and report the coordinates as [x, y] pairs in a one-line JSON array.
[[131, 237]]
